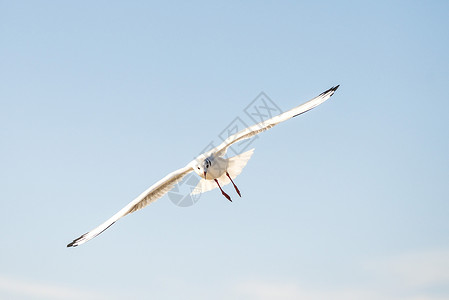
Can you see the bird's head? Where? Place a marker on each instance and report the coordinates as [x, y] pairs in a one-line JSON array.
[[202, 167]]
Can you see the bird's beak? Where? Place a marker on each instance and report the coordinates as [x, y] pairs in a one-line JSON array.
[[204, 174]]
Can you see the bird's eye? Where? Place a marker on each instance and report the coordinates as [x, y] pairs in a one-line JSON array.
[[198, 168]]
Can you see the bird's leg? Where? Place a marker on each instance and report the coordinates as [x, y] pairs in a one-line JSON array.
[[236, 188], [224, 194]]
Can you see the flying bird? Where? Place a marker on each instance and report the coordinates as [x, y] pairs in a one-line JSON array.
[[212, 166]]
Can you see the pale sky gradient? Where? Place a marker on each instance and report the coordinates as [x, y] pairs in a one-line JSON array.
[[99, 100]]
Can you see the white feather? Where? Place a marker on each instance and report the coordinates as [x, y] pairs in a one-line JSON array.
[[235, 167]]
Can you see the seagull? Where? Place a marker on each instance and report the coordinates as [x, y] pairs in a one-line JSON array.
[[212, 166]]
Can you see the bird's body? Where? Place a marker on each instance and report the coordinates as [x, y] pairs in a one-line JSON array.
[[217, 166], [214, 169]]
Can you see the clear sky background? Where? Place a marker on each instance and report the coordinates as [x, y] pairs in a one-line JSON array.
[[101, 99]]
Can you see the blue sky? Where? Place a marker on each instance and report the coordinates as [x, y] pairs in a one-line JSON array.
[[100, 100]]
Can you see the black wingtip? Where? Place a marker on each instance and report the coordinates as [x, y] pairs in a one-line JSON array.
[[331, 90], [72, 244], [82, 238]]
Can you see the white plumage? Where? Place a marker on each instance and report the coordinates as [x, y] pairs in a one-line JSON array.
[[212, 167]]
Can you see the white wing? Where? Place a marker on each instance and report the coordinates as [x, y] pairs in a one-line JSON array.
[[153, 193], [267, 124]]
